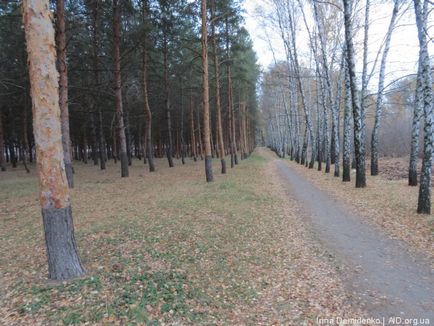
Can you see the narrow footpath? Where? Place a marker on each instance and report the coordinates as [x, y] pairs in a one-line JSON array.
[[385, 279]]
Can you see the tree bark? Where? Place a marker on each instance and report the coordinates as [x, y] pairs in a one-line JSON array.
[[205, 96], [95, 49], [118, 89], [2, 144], [63, 259], [148, 114], [219, 128], [25, 140], [93, 137], [169, 149], [346, 162], [192, 130], [424, 199], [415, 130], [380, 95], [231, 121], [63, 89], [358, 109]]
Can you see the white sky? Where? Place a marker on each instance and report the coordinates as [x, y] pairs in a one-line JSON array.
[[403, 54]]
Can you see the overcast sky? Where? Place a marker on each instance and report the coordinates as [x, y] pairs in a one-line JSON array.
[[402, 59]]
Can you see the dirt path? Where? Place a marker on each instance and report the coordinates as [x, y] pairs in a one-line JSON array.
[[383, 276]]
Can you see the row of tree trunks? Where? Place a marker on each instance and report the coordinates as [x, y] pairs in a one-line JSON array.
[[287, 139]]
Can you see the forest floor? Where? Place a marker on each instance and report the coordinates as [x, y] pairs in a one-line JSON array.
[[167, 248]]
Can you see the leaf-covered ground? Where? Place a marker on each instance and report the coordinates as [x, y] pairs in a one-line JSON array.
[[167, 248], [387, 201]]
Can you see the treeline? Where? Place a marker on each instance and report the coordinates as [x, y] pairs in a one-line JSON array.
[[315, 105], [131, 82]]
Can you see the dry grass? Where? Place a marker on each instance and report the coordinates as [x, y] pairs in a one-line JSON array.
[[387, 202], [167, 248]]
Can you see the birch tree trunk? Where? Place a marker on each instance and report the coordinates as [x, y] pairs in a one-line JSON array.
[[335, 116], [118, 89], [365, 52], [63, 89], [380, 96], [358, 110], [424, 200], [63, 259], [346, 161], [415, 130], [327, 98], [205, 96]]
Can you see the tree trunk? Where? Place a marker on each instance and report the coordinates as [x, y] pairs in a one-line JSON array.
[[358, 109], [84, 148], [118, 89], [63, 89], [128, 131], [169, 149], [415, 130], [192, 130], [424, 200], [205, 96], [346, 162], [93, 137], [147, 108], [25, 140], [63, 259], [199, 135], [232, 135], [336, 125], [182, 128], [380, 95], [95, 48], [2, 144]]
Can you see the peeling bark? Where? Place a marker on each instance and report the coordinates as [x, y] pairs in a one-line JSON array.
[[63, 89], [63, 259]]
